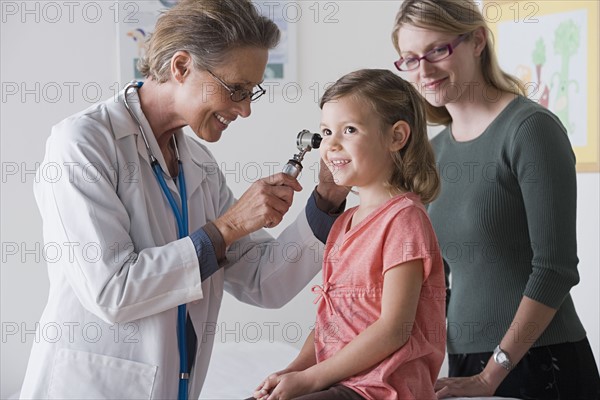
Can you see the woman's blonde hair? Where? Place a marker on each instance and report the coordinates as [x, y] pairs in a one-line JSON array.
[[207, 30], [392, 99], [457, 17]]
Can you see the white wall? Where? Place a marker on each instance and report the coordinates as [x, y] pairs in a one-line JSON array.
[[39, 56]]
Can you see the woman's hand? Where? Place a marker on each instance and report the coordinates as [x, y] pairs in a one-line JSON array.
[[328, 189], [472, 386], [263, 205]]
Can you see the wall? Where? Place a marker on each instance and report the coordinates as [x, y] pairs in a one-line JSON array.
[[54, 65]]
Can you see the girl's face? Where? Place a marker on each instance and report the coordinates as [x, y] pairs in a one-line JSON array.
[[451, 80], [204, 103], [353, 147]]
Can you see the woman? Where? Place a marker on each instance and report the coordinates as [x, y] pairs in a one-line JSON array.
[[505, 217], [131, 262]]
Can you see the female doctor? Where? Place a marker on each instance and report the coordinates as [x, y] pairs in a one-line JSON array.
[[149, 230]]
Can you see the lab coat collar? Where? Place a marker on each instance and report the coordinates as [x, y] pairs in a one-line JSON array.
[[122, 123]]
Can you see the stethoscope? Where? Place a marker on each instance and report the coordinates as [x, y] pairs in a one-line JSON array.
[[181, 216]]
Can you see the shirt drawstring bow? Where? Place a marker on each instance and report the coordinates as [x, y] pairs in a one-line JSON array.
[[322, 293]]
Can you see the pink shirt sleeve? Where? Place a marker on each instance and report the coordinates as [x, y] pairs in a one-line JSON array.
[[409, 237]]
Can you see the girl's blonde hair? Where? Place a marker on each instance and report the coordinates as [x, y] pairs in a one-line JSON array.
[[456, 17], [207, 30], [392, 99]]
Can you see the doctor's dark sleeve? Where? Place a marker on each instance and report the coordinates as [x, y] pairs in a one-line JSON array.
[[210, 248], [321, 215]]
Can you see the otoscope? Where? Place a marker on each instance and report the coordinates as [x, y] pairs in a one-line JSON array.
[[305, 142]]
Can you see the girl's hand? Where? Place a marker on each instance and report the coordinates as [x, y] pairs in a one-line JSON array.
[[264, 389], [290, 385], [472, 386]]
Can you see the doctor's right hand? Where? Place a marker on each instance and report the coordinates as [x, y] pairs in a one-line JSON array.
[[263, 205]]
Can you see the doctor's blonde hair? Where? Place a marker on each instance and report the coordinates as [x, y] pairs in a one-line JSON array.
[[208, 30], [456, 17], [393, 99]]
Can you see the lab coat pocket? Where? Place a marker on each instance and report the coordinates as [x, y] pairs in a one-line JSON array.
[[82, 375]]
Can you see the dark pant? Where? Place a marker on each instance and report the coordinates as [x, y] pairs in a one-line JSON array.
[[337, 392], [565, 371]]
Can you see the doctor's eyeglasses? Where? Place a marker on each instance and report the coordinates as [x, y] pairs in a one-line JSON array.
[[435, 55], [237, 93]]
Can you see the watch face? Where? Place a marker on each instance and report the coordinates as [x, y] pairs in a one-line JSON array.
[[501, 357]]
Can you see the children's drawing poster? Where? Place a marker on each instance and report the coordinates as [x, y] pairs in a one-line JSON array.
[[136, 23], [552, 47]]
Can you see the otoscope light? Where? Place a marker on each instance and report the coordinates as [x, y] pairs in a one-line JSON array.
[[307, 139]]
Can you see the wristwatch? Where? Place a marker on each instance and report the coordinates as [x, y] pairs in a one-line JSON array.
[[502, 358]]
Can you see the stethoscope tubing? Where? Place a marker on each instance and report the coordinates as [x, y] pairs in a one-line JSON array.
[[181, 218]]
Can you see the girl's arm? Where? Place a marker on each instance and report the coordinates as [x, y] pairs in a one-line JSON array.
[[307, 357], [401, 291]]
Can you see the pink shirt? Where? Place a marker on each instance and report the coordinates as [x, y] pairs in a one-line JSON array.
[[355, 261]]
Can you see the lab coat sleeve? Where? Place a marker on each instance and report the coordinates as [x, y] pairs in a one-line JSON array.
[[269, 272], [85, 217]]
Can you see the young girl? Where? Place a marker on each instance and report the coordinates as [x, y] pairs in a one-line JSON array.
[[380, 330]]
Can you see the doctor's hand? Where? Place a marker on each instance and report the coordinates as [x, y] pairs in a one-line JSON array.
[[263, 205], [327, 188]]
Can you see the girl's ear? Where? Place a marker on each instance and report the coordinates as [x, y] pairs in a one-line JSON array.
[[400, 135], [181, 64]]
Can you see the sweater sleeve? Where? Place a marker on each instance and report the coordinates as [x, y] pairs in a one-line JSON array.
[[544, 164], [321, 215]]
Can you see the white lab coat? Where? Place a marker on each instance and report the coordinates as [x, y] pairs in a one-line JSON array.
[[117, 271]]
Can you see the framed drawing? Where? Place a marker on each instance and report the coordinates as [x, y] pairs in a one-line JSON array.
[[138, 17], [281, 66], [552, 46], [136, 23]]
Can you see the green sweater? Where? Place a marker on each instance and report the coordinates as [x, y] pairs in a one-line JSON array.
[[505, 220]]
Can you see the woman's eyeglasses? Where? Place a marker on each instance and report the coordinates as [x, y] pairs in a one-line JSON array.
[[432, 56], [238, 94]]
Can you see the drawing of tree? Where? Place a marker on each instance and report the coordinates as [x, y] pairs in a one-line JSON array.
[[566, 45], [539, 59]]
